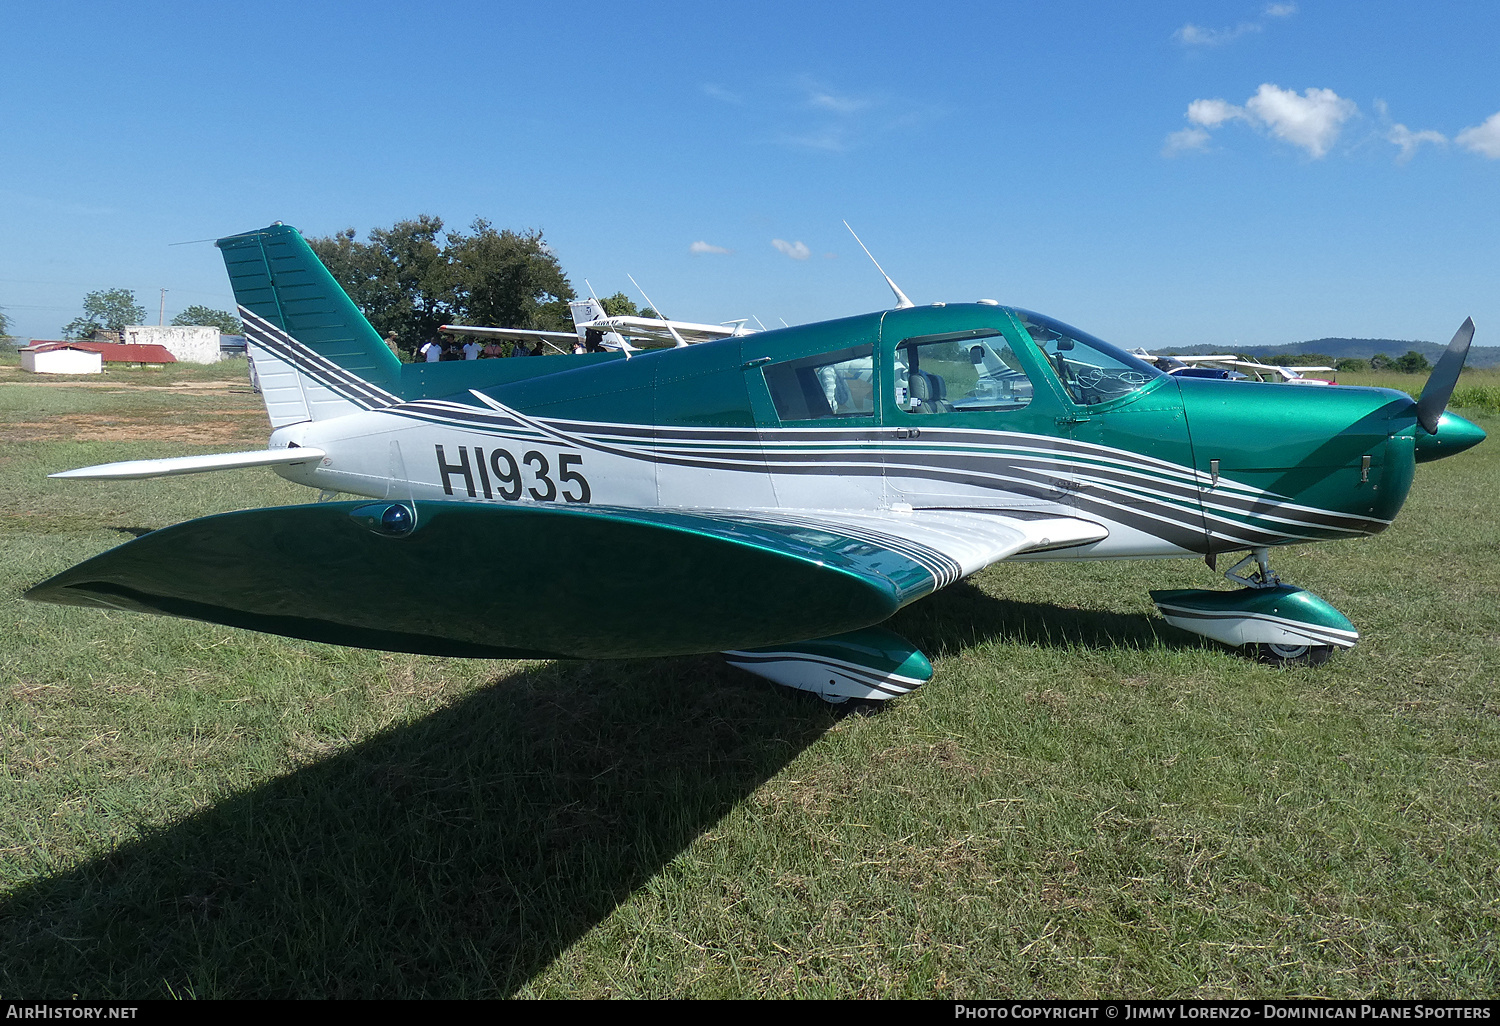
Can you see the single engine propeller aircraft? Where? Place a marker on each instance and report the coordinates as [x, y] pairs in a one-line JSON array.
[[772, 496]]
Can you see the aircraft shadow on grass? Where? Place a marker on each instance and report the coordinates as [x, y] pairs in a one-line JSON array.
[[963, 615], [458, 855]]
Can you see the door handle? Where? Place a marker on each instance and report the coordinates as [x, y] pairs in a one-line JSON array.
[[908, 432]]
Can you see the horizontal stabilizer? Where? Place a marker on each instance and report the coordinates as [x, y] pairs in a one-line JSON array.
[[135, 470]]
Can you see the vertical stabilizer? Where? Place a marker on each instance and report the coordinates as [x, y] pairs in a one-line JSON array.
[[278, 278], [585, 311]]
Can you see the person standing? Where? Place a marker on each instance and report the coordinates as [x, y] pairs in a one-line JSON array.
[[390, 341], [432, 352], [471, 350]]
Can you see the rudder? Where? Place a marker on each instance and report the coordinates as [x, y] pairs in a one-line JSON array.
[[277, 277]]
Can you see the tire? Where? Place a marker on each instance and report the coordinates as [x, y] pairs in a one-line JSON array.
[[1293, 655]]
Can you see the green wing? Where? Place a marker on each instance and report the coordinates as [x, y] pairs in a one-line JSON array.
[[517, 580]]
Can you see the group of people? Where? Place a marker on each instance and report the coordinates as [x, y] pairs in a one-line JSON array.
[[439, 350]]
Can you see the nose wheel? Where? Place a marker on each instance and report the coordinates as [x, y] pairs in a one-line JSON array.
[[1293, 655], [1269, 621]]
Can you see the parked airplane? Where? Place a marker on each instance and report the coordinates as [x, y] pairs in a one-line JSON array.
[[598, 330], [1235, 368], [772, 496]]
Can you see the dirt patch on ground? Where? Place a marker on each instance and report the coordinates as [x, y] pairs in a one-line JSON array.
[[15, 375], [223, 426]]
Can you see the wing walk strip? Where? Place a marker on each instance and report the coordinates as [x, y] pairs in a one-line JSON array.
[[943, 569], [1174, 491]]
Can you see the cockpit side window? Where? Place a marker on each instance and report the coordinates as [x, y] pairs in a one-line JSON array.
[[829, 385], [1091, 370], [967, 373]]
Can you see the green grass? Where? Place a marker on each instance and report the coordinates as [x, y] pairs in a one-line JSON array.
[[1083, 802], [1478, 391]]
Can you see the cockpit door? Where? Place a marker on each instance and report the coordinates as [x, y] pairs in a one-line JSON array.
[[965, 424]]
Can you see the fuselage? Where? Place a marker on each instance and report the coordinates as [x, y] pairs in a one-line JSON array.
[[969, 406]]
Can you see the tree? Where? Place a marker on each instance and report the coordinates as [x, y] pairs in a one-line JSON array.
[[510, 279], [227, 323], [412, 277], [110, 309], [4, 326], [1412, 363], [1352, 364], [619, 305], [1381, 362]]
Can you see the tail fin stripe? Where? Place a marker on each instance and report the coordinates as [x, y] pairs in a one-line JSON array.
[[333, 377]]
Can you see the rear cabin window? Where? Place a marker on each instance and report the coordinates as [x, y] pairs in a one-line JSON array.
[[829, 385], [971, 373]]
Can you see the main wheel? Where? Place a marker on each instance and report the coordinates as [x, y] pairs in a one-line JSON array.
[[1293, 655]]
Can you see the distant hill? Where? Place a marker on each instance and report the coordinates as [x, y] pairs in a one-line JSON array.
[[1351, 348]]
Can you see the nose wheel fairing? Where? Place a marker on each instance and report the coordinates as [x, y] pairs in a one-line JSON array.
[[1280, 615]]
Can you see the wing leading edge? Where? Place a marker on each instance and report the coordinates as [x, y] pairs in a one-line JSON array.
[[470, 579]]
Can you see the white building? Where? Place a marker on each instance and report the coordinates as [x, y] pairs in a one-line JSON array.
[[61, 359], [189, 343]]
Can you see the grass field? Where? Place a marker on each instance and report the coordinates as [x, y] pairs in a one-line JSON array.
[[1083, 802]]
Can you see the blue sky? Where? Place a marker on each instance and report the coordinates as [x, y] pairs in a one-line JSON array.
[[1161, 174]]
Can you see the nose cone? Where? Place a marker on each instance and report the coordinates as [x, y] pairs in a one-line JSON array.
[[1454, 435]]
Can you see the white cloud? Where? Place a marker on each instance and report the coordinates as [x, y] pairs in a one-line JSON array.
[[1483, 139], [1189, 140], [701, 248], [1311, 121], [1212, 113], [1409, 140], [824, 100], [1405, 138], [1196, 35], [795, 250]]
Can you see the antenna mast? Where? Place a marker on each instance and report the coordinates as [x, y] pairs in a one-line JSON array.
[[902, 303]]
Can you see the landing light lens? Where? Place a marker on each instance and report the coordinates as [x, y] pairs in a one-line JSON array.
[[392, 519], [395, 520]]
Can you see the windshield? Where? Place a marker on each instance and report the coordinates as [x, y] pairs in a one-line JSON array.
[[1091, 370]]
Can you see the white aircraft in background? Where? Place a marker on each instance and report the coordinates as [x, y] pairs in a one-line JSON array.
[[1231, 366], [598, 330]]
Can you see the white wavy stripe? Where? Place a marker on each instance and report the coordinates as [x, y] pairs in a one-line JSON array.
[[1333, 635], [986, 444], [309, 361], [892, 683]]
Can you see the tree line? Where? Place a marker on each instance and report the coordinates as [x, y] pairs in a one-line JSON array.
[[414, 276], [407, 280], [110, 310]]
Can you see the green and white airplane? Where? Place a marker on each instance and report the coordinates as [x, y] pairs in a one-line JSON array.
[[772, 496]]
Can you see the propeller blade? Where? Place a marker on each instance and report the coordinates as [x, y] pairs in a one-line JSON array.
[[1439, 387]]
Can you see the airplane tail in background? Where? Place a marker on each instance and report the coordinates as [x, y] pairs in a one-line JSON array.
[[313, 351], [586, 311]]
